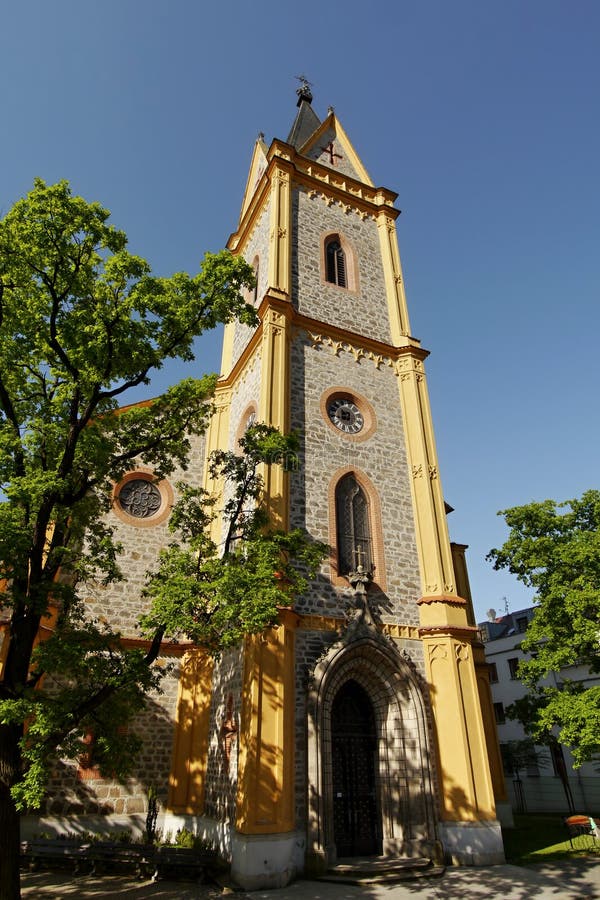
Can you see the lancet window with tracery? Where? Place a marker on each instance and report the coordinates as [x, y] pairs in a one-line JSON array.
[[354, 543]]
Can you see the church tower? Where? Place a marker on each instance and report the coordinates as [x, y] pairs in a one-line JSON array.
[[364, 721]]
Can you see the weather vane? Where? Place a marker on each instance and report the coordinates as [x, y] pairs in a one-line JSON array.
[[304, 91]]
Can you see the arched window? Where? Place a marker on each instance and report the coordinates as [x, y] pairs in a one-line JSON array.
[[354, 543], [335, 260]]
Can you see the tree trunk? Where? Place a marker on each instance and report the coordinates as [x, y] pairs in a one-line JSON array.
[[10, 836]]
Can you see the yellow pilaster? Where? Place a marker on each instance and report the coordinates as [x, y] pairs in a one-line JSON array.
[[446, 630], [274, 407], [227, 351], [217, 438], [433, 543], [394, 283], [489, 723], [280, 227], [190, 751], [265, 795], [466, 786]]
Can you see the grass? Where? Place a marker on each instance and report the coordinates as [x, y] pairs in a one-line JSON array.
[[541, 838]]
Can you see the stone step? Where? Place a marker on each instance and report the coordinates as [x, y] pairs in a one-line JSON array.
[[380, 869]]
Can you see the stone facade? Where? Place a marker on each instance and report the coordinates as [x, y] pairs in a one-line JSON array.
[[77, 790], [221, 772], [363, 310], [322, 340]]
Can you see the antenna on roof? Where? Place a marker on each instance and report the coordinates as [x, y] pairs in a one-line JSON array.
[[506, 609]]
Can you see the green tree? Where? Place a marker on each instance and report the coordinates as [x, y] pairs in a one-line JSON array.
[[554, 548], [82, 321], [526, 710], [215, 595]]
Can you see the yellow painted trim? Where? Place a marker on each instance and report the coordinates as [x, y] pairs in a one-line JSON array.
[[274, 402], [394, 283], [227, 349], [258, 165], [489, 723], [265, 790], [217, 438], [280, 260], [466, 786], [433, 542], [190, 749]]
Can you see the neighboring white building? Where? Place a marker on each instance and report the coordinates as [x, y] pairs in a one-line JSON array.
[[542, 789]]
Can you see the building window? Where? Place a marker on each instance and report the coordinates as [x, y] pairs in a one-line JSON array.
[[493, 670], [335, 260], [513, 665], [353, 531], [499, 713], [507, 763], [522, 624], [140, 500]]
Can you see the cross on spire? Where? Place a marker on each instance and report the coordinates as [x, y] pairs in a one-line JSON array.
[[330, 148]]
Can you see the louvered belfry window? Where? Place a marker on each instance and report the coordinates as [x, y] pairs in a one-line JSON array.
[[353, 532], [336, 263]]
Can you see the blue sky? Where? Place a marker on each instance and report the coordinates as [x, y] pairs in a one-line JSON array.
[[483, 116]]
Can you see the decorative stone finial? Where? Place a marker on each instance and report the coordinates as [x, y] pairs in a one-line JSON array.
[[304, 91]]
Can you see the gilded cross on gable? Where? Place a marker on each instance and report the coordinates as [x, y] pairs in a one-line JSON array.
[[332, 154]]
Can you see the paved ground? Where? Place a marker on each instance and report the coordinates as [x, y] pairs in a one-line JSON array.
[[567, 880]]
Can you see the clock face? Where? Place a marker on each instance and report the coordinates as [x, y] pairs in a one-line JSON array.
[[345, 415]]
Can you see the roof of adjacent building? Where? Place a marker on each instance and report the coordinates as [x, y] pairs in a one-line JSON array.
[[506, 625]]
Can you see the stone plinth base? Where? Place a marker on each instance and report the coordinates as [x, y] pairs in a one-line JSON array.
[[472, 843], [266, 860]]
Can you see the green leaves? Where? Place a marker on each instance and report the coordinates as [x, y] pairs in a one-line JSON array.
[[82, 321], [555, 549], [214, 595]]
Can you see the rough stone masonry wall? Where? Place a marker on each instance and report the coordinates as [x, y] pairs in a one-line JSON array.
[[382, 457], [121, 604], [222, 766], [74, 790], [310, 645], [341, 163], [363, 311]]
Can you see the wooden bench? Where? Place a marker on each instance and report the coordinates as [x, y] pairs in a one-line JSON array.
[[182, 862], [580, 824], [116, 856], [95, 857], [53, 852]]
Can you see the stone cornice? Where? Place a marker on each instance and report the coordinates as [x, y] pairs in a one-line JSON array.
[[324, 334], [446, 599], [318, 179], [333, 623], [467, 633]]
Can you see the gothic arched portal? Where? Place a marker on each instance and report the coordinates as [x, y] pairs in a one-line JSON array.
[[366, 683]]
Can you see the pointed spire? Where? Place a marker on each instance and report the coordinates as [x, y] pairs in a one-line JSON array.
[[307, 121]]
